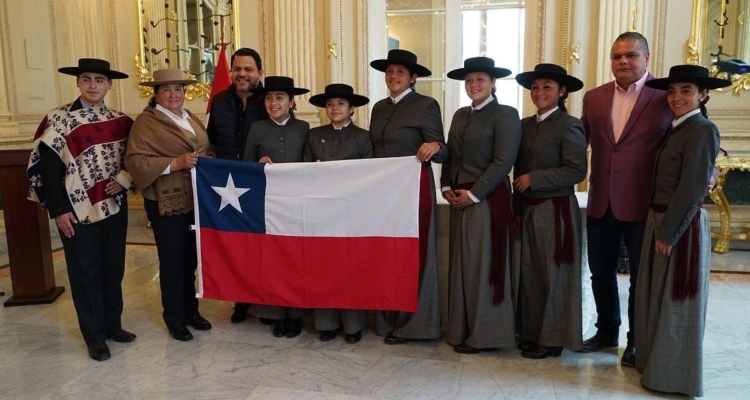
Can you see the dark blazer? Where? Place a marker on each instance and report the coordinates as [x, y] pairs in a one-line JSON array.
[[483, 145], [397, 130], [280, 143], [622, 172], [325, 143], [553, 153], [683, 167]]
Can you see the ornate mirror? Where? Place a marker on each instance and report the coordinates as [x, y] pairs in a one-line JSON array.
[[720, 40], [184, 34]]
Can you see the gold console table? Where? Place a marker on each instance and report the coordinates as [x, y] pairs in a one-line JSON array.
[[726, 164]]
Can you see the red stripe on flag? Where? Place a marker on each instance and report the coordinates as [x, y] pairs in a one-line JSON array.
[[222, 79], [375, 273]]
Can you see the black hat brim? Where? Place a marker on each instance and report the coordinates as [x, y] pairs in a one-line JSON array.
[[495, 72], [703, 81], [75, 71], [290, 91], [319, 100], [571, 83], [382, 65]]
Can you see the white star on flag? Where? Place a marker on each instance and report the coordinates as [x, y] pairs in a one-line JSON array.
[[230, 195]]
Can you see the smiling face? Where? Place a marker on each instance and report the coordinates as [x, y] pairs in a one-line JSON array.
[[398, 79], [245, 74], [684, 97], [278, 105], [629, 61], [171, 97], [93, 87], [339, 111], [478, 86], [545, 94]]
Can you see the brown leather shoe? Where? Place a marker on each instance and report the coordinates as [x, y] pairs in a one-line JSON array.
[[464, 348], [352, 338], [99, 351], [598, 342], [540, 352], [294, 327], [327, 336], [628, 356], [390, 339], [121, 336]]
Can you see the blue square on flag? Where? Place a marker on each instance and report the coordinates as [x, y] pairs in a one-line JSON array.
[[230, 195]]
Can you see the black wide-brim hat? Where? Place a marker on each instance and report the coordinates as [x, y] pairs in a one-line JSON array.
[[401, 57], [550, 71], [94, 65], [479, 64], [338, 91], [688, 74], [279, 84]]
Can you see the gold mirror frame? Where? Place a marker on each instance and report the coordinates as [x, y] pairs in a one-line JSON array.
[[143, 67], [695, 49]]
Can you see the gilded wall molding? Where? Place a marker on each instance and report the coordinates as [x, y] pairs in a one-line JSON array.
[[661, 30], [8, 61], [541, 18], [55, 53], [364, 76], [566, 34]]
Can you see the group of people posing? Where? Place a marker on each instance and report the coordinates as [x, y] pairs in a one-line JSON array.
[[653, 151]]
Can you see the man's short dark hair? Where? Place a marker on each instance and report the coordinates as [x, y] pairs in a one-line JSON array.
[[247, 52], [634, 36]]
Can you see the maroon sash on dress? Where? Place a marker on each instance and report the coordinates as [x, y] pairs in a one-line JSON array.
[[564, 246], [501, 213], [685, 283]]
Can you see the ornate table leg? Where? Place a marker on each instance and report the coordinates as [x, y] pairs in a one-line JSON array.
[[725, 216]]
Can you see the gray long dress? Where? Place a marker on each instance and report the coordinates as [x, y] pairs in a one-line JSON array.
[[483, 146], [669, 332], [281, 144], [325, 143], [553, 153], [397, 130]]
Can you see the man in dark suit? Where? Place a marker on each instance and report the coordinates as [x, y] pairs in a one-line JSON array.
[[625, 123]]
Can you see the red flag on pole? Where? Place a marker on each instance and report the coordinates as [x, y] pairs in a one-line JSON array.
[[222, 80]]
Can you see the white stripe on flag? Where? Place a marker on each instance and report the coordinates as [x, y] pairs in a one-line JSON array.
[[354, 198]]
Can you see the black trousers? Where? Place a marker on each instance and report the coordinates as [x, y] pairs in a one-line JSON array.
[[95, 257], [604, 236], [178, 260]]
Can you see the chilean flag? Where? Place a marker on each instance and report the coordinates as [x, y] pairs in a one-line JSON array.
[[222, 79], [338, 234]]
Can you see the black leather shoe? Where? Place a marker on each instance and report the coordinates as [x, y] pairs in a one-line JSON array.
[[541, 352], [240, 312], [199, 323], [628, 356], [99, 351], [327, 336], [279, 327], [266, 321], [464, 348], [294, 328], [526, 346], [180, 332], [598, 342], [390, 339], [352, 338], [122, 336]]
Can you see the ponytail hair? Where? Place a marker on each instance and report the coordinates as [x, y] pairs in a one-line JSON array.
[[702, 105], [561, 100], [152, 101]]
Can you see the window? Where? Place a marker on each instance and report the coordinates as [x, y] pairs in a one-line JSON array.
[[442, 33]]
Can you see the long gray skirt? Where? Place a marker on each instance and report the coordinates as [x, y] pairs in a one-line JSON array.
[[472, 318], [669, 333], [550, 296], [425, 323]]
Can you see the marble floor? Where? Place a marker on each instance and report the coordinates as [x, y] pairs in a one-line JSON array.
[[42, 356]]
